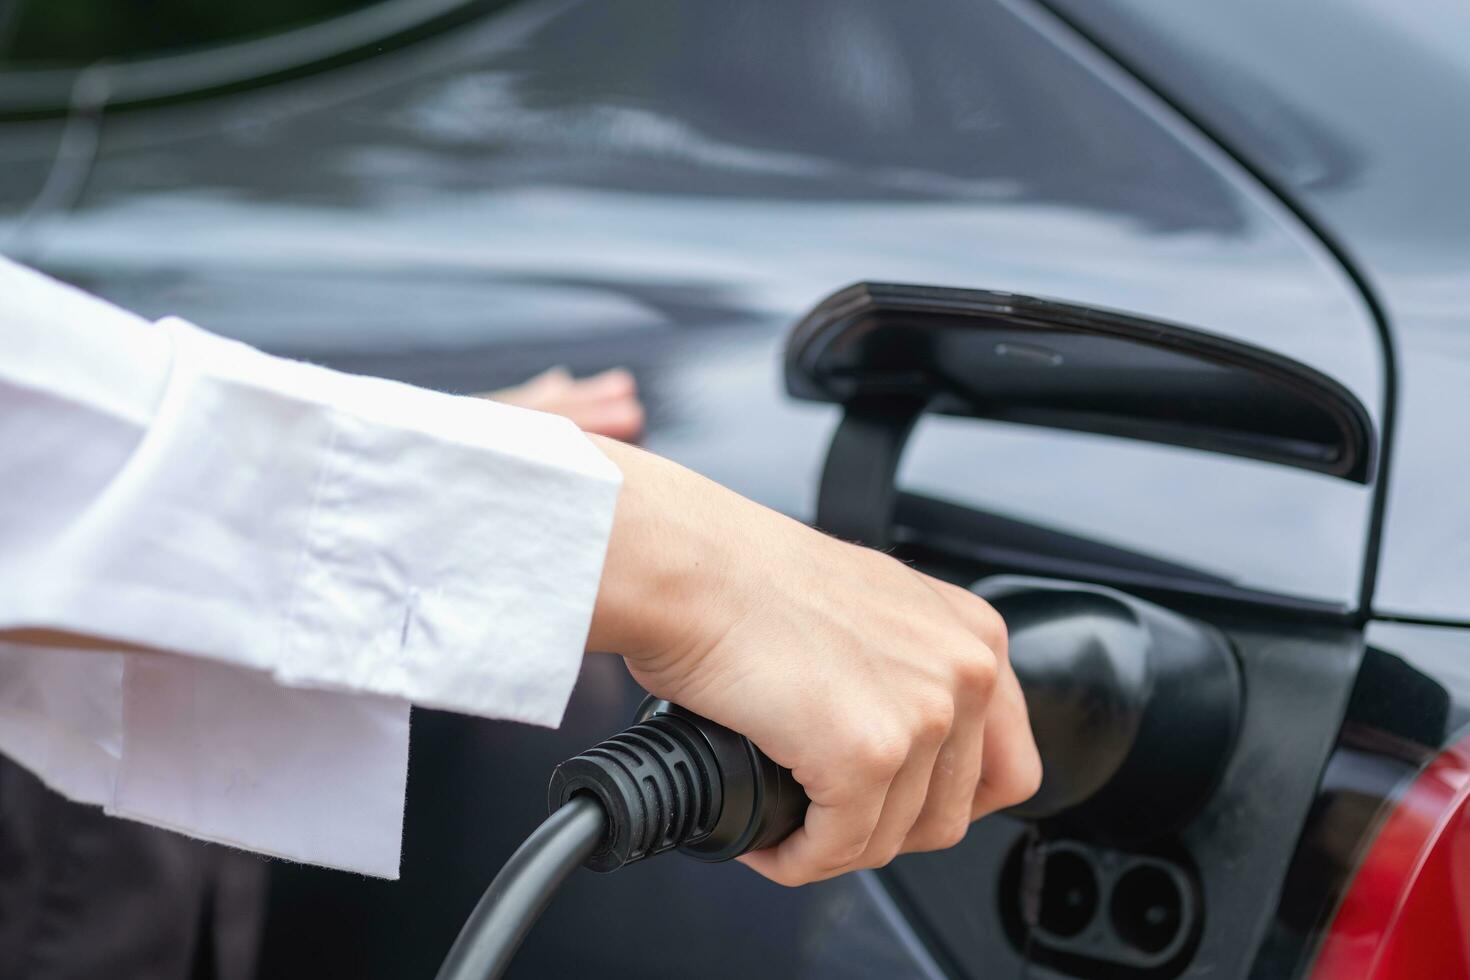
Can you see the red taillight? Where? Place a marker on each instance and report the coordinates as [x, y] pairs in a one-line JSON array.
[[1406, 915]]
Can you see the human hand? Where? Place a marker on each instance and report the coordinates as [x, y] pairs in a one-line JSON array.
[[886, 692], [606, 404]]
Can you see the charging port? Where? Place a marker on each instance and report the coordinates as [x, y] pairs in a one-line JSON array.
[[1069, 893], [1098, 911], [1147, 908]]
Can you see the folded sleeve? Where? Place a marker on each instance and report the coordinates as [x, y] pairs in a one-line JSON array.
[[337, 531], [322, 782], [324, 532]]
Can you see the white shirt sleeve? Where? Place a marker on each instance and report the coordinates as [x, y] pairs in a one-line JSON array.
[[335, 547]]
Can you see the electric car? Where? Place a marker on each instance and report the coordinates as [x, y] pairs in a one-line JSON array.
[[1150, 320]]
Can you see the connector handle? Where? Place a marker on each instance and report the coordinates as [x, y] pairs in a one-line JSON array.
[[677, 780], [762, 802]]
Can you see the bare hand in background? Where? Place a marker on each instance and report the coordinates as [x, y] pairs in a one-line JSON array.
[[605, 404]]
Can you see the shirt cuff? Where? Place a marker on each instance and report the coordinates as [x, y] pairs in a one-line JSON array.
[[322, 781], [213, 751], [346, 533], [451, 547]]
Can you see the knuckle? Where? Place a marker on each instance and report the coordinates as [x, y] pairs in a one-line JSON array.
[[978, 671], [881, 856], [992, 629], [1020, 781], [845, 856], [941, 834], [878, 754], [1026, 780], [954, 832], [935, 721]]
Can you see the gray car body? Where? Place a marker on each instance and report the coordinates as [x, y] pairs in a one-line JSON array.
[[1360, 120], [670, 185]]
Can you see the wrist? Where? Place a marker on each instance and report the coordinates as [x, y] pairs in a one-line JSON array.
[[668, 586]]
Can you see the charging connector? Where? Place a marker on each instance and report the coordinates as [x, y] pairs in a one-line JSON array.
[[672, 780], [676, 780]]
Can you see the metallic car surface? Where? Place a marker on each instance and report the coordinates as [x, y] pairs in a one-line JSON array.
[[1360, 117], [672, 184]]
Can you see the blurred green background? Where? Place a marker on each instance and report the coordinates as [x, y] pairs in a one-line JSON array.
[[62, 33]]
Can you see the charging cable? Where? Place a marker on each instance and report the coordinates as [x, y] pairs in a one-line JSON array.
[[673, 780]]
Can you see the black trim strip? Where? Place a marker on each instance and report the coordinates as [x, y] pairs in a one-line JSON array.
[[1455, 624]]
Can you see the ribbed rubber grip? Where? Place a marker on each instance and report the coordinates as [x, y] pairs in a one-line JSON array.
[[676, 780], [658, 782]]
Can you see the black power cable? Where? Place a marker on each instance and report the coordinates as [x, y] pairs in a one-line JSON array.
[[672, 780], [522, 890]]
